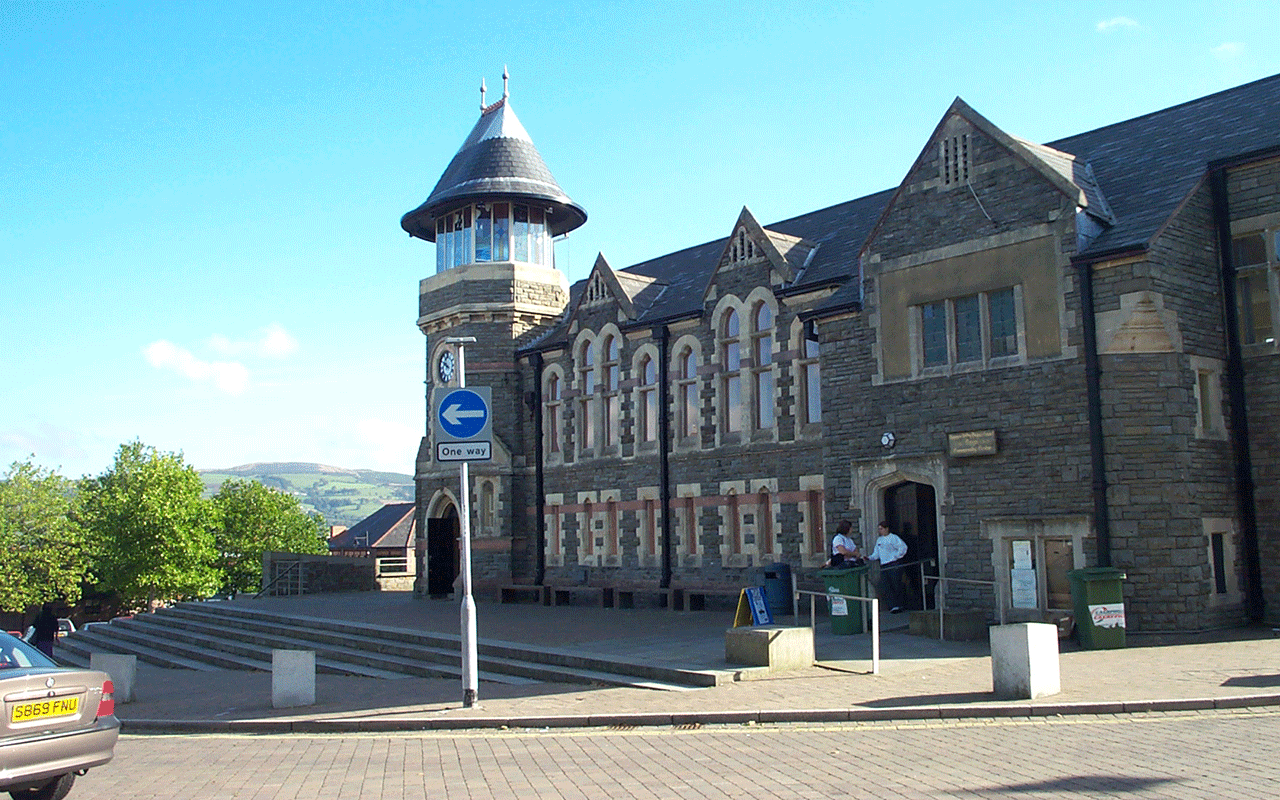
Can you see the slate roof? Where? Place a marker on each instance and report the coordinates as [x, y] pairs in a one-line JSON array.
[[1149, 164], [837, 232], [1134, 174], [390, 526], [497, 160]]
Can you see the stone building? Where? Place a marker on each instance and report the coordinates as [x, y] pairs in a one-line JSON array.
[[1041, 356]]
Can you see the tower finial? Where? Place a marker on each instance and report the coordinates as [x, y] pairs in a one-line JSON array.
[[505, 78], [482, 94]]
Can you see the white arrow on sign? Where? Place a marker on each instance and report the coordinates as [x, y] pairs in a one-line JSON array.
[[454, 413]]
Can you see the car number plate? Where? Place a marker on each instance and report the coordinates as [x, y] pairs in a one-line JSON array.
[[42, 709]]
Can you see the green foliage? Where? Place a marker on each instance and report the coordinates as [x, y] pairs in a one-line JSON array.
[[258, 519], [42, 549], [153, 532]]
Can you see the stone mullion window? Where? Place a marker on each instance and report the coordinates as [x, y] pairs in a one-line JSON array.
[[688, 410], [609, 403], [811, 377], [587, 398], [647, 407], [970, 331], [763, 380], [764, 523], [730, 373], [553, 404], [1256, 285]]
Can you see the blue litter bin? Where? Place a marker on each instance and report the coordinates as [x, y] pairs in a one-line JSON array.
[[777, 588]]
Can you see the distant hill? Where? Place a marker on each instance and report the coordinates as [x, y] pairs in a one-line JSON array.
[[343, 496]]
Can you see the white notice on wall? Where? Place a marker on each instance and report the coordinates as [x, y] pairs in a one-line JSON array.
[[1021, 554], [1022, 582]]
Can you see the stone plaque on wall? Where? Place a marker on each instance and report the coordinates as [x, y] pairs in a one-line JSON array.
[[971, 443]]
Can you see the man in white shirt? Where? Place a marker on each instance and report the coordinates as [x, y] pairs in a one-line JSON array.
[[888, 550]]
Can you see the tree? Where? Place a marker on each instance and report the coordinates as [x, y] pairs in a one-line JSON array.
[[153, 532], [42, 548], [257, 519]]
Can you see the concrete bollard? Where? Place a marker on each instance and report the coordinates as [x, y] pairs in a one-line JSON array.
[[122, 669], [293, 678], [773, 646], [1024, 661]]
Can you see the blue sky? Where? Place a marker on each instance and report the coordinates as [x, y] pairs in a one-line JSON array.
[[199, 202]]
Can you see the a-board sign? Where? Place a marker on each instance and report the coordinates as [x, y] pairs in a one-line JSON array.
[[753, 609]]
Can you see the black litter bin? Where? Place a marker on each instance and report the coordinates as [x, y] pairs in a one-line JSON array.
[[1098, 598], [777, 588], [847, 616]]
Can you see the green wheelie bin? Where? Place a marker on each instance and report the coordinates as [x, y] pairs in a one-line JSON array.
[[847, 616], [1098, 597]]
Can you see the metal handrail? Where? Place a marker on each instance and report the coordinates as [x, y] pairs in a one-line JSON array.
[[942, 597], [875, 618], [284, 573]]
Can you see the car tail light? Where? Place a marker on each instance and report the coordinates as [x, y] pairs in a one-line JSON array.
[[107, 705]]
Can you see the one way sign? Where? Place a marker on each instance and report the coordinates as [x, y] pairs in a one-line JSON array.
[[463, 425]]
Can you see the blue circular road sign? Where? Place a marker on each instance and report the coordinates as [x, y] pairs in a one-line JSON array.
[[462, 414]]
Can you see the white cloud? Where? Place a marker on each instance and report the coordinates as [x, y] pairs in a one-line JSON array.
[[273, 341], [228, 376], [1116, 23], [1228, 51]]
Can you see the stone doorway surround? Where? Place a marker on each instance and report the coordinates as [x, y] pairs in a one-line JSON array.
[[871, 478]]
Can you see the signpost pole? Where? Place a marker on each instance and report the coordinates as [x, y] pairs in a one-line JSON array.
[[470, 659]]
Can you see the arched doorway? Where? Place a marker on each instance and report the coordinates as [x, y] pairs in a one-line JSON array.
[[911, 509], [442, 551]]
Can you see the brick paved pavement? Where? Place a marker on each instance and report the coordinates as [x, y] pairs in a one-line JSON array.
[[1156, 755], [919, 677]]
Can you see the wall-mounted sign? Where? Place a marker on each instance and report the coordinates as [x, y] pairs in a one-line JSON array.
[[971, 443], [1022, 583]]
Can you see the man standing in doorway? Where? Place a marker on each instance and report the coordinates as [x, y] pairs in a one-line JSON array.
[[889, 550]]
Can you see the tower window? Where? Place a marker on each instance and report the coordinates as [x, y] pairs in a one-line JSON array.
[[501, 231]]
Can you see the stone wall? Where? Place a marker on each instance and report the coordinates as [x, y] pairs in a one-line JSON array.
[[320, 574], [1254, 193]]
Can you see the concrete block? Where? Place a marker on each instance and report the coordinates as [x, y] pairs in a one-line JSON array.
[[773, 646], [1024, 661], [122, 669], [293, 678]]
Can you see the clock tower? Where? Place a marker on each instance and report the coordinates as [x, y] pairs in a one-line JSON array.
[[493, 217]]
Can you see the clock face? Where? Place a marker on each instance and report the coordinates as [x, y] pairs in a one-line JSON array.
[[446, 367]]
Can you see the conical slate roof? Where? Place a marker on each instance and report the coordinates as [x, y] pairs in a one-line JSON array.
[[497, 161]]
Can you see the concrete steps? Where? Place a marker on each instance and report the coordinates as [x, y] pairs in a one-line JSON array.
[[223, 636]]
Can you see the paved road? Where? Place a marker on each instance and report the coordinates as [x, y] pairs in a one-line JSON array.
[[1159, 755]]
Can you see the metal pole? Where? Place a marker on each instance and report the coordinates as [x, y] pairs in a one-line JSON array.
[[875, 636], [470, 659]]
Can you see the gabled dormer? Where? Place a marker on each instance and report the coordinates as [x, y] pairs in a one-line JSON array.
[[605, 286], [961, 188], [751, 244]]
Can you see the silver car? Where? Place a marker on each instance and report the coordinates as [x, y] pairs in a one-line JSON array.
[[58, 722]]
